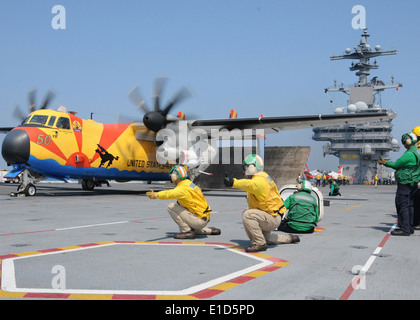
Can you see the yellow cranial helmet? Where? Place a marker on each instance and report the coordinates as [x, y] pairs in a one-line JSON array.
[[416, 130]]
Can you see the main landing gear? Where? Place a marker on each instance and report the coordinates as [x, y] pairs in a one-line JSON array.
[[90, 184]]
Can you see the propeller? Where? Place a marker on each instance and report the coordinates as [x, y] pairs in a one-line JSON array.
[[157, 119], [19, 114]]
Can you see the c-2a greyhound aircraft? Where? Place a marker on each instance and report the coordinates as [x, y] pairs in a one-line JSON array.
[[60, 145]]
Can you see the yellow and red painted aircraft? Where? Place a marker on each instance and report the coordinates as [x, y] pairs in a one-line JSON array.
[[61, 145]]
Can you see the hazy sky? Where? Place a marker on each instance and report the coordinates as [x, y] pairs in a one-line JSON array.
[[266, 57]]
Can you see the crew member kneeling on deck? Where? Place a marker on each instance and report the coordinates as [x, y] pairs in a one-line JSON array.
[[303, 212], [407, 175], [191, 211], [334, 188], [265, 206]]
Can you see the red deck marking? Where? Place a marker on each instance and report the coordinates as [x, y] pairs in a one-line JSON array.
[[7, 256], [384, 240], [242, 279], [89, 245], [206, 293], [28, 232], [270, 268]]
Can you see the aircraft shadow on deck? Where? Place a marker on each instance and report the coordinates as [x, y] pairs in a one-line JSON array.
[[76, 190]]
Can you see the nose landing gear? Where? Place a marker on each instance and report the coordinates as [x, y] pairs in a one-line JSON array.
[[27, 185]]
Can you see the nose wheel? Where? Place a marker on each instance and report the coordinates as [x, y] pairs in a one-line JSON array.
[[27, 185], [30, 190]]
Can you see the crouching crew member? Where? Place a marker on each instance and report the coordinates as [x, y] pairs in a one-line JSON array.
[[265, 206], [334, 188], [407, 175], [191, 211], [303, 212]]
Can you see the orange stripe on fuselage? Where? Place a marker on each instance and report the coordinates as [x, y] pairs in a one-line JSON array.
[[110, 134], [35, 137]]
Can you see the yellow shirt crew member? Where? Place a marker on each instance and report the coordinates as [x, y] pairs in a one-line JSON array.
[[265, 206], [262, 193], [189, 196], [191, 211]]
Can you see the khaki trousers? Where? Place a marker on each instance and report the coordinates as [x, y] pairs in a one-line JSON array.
[[186, 220], [258, 226]]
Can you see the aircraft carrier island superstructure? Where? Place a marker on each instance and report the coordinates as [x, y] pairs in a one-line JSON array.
[[358, 147]]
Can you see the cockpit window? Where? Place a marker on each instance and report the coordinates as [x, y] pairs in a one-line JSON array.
[[63, 123], [39, 119], [52, 120], [26, 120]]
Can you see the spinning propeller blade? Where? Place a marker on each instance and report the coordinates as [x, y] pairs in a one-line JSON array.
[[158, 118], [17, 112]]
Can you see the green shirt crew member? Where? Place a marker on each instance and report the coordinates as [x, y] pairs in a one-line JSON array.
[[303, 214], [334, 188], [407, 175], [407, 166]]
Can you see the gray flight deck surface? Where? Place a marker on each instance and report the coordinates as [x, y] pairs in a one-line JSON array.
[[100, 240]]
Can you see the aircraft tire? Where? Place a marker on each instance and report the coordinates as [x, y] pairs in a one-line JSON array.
[[30, 190], [88, 184]]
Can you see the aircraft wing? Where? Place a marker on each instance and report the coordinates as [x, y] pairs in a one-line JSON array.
[[276, 124]]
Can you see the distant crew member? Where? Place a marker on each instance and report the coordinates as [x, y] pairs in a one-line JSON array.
[[318, 180], [407, 175], [334, 188], [324, 179], [265, 205], [303, 209], [191, 211], [375, 180]]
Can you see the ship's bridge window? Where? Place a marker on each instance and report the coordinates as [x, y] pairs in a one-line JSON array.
[[63, 123], [38, 119]]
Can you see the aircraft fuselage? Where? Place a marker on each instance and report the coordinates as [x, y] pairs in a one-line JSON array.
[[62, 145]]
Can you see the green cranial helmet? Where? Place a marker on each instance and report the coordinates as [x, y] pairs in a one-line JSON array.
[[305, 186], [406, 136], [256, 160]]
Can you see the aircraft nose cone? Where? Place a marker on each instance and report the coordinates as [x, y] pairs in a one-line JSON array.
[[15, 148]]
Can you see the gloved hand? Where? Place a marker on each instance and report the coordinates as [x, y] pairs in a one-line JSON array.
[[381, 161], [228, 181], [151, 194]]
